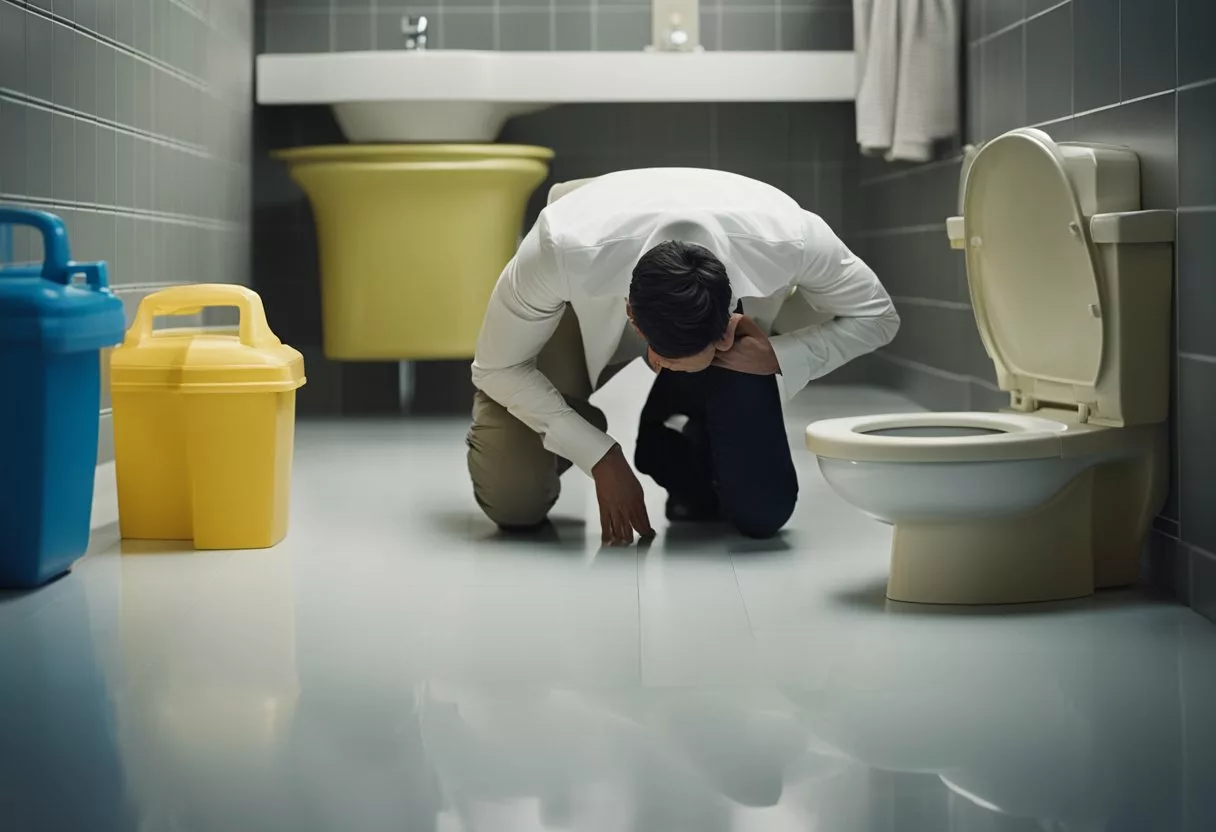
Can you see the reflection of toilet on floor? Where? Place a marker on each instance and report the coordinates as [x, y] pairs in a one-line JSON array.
[[1070, 284], [1028, 737]]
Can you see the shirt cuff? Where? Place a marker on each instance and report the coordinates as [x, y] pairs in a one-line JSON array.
[[574, 438], [795, 366]]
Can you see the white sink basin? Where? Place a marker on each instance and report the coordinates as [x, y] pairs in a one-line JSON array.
[[450, 95]]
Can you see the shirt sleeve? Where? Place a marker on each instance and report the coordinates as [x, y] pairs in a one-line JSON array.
[[527, 304], [837, 282]]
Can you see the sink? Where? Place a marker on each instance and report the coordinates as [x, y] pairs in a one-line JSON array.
[[467, 96]]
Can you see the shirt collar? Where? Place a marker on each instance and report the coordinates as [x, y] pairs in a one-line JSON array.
[[704, 230]]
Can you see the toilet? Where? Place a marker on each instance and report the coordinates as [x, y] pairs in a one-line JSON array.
[[1071, 287]]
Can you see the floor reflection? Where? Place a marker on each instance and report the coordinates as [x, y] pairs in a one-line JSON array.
[[395, 665]]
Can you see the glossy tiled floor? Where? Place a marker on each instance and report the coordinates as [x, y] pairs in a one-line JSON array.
[[395, 666]]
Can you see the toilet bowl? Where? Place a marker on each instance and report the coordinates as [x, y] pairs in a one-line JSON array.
[[1070, 284], [412, 239]]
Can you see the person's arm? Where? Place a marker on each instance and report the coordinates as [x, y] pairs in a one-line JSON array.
[[835, 281], [527, 304]]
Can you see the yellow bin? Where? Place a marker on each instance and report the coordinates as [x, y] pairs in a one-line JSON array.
[[204, 422]]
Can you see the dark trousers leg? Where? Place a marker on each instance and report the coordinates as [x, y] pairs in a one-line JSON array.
[[734, 450], [680, 462]]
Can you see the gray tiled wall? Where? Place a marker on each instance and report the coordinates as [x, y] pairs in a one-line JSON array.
[[1138, 73], [131, 120], [805, 149], [340, 25]]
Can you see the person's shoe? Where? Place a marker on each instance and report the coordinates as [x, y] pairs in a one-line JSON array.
[[680, 510]]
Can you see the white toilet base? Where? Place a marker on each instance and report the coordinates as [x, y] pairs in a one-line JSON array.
[[1046, 555]]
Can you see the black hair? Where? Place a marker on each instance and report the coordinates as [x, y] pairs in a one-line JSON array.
[[680, 296]]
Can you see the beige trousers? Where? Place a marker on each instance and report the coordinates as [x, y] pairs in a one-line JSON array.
[[515, 479]]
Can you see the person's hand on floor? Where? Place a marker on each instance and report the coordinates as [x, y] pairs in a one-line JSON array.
[[751, 352], [622, 503]]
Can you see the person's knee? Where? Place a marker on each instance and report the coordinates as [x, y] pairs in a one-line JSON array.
[[515, 480], [763, 522], [762, 512], [513, 497], [515, 513], [515, 494]]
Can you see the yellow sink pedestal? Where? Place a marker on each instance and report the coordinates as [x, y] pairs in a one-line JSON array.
[[412, 239]]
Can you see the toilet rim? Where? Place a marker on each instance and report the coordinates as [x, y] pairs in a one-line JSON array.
[[1015, 437]]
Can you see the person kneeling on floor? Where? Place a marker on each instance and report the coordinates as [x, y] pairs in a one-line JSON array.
[[688, 269]]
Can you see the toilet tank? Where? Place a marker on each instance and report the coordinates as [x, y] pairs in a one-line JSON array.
[[1134, 257], [1107, 305]]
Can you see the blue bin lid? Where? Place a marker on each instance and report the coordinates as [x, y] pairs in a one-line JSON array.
[[45, 306]]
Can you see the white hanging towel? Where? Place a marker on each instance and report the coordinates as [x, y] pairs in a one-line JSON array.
[[907, 76]]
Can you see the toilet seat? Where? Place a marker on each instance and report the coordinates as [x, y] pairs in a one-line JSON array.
[[993, 437], [1038, 309], [1032, 270]]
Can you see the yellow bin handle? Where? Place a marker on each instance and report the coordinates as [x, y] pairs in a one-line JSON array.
[[188, 300]]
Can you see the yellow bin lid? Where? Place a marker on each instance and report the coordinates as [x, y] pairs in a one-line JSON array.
[[250, 360]]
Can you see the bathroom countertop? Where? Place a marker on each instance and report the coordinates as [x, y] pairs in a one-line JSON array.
[[394, 664]]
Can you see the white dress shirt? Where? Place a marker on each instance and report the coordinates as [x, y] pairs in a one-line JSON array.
[[582, 252]]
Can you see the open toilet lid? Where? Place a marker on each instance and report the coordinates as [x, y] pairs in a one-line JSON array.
[[1030, 265]]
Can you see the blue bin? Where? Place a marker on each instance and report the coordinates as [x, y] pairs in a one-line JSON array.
[[54, 320]]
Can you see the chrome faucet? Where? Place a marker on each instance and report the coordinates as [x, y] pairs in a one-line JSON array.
[[414, 29]]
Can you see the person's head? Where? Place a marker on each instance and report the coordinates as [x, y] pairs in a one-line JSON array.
[[679, 301]]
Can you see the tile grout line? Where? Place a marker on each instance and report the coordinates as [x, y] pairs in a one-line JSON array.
[[185, 220], [1072, 74], [956, 305], [1176, 475], [1190, 547], [153, 109], [130, 288], [200, 151], [1195, 85], [131, 52], [637, 587], [929, 369], [1119, 43], [1104, 108], [953, 159], [1005, 30], [751, 627], [1024, 116], [196, 13], [879, 233]]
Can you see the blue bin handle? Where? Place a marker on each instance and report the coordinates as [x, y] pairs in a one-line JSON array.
[[57, 262]]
